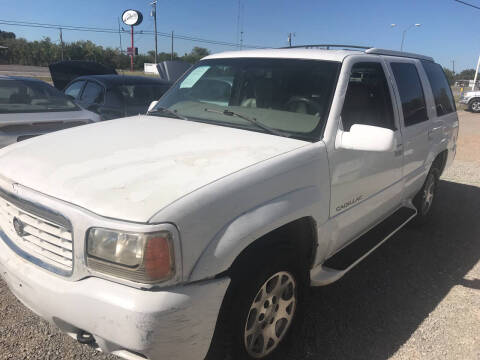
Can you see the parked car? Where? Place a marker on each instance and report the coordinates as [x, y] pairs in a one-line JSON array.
[[100, 89], [471, 99], [194, 230], [30, 107]]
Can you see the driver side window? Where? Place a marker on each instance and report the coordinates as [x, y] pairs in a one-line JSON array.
[[368, 100]]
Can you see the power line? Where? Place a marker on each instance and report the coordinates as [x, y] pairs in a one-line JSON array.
[[116, 31], [465, 3]]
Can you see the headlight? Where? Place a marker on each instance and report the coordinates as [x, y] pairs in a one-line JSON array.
[[140, 257]]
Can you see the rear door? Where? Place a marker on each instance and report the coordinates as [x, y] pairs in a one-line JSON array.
[[415, 112]]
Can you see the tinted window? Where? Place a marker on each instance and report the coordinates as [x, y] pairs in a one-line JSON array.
[[441, 90], [74, 89], [32, 96], [368, 100], [290, 95], [93, 93], [411, 93]]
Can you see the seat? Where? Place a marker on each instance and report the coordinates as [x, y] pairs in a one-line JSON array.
[[356, 108]]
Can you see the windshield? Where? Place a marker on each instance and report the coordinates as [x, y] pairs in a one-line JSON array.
[[289, 95], [22, 96]]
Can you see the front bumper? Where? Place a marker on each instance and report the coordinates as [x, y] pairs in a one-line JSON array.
[[464, 101], [175, 323]]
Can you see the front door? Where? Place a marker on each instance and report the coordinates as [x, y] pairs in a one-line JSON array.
[[365, 185]]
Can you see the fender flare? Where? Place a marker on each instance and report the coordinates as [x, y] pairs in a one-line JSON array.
[[235, 236]]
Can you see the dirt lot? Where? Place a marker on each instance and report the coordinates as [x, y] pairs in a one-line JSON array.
[[416, 297]]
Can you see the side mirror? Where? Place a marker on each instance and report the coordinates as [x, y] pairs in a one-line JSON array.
[[366, 138], [152, 105], [70, 97]]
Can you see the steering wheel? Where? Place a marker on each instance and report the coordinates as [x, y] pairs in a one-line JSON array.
[[308, 102]]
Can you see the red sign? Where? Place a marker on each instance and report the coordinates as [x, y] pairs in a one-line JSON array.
[[132, 51]]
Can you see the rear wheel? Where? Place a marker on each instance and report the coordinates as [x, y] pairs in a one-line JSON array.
[[423, 201], [260, 309], [474, 105]]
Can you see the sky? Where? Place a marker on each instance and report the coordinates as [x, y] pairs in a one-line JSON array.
[[448, 30]]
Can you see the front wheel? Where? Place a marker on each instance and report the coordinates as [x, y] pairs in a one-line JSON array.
[[261, 307], [474, 105]]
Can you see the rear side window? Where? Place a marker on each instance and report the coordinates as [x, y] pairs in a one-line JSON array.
[[441, 90], [411, 93], [93, 93]]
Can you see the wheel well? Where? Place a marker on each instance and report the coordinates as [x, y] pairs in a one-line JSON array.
[[440, 161], [474, 98], [299, 237]]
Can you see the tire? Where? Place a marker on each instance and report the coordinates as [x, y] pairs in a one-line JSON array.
[[424, 199], [264, 299], [474, 105]]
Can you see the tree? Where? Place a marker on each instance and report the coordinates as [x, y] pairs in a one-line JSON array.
[[195, 55], [467, 74], [4, 35]]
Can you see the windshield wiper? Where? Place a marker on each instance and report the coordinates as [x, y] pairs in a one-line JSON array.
[[159, 110], [251, 121]]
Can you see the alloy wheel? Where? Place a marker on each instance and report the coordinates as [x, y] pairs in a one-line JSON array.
[[270, 315]]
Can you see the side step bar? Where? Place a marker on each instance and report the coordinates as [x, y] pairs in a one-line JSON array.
[[345, 259]]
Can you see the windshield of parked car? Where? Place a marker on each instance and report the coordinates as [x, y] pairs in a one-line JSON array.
[[141, 94], [25, 96], [292, 96]]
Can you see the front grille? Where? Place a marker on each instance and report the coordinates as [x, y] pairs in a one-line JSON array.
[[44, 240]]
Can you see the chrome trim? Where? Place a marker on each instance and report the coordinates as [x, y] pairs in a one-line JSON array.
[[31, 258]]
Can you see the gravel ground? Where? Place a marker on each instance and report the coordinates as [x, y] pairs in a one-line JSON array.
[[416, 297]]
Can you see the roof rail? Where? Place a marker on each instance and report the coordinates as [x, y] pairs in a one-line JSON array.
[[327, 46], [377, 51], [367, 49]]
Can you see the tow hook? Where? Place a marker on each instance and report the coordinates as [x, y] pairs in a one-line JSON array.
[[84, 337]]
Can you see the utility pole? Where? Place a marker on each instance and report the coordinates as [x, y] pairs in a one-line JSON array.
[[453, 67], [154, 14], [241, 40], [171, 56], [133, 51], [290, 39], [61, 41], [120, 35]]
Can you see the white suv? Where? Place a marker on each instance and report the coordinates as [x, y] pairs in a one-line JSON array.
[[472, 100], [193, 231]]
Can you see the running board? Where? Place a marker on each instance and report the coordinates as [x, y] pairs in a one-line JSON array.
[[341, 262]]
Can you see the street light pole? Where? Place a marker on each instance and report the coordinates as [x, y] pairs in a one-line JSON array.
[[154, 14], [404, 33]]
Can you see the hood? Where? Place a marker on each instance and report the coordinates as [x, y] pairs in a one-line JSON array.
[[131, 168], [65, 71]]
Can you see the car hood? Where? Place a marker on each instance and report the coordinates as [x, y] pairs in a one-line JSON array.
[[53, 117], [471, 93], [132, 167]]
